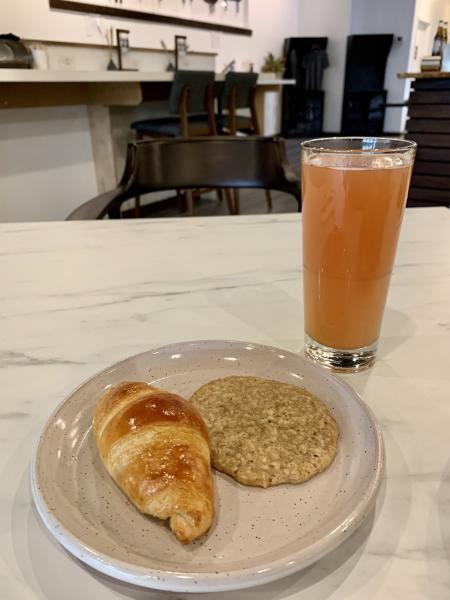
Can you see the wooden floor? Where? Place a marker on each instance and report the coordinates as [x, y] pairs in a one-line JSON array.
[[252, 201]]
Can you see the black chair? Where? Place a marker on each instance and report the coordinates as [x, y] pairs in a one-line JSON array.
[[190, 100], [238, 93], [214, 162]]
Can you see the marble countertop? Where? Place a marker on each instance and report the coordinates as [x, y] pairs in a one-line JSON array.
[[72, 76], [77, 296]]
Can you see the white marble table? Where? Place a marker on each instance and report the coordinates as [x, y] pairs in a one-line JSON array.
[[78, 296]]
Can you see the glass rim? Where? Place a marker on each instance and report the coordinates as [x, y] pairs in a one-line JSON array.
[[402, 145]]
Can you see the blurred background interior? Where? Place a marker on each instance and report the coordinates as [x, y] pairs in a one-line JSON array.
[[81, 79]]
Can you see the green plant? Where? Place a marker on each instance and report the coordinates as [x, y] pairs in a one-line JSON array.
[[272, 64]]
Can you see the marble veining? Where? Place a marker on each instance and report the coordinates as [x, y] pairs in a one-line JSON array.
[[77, 297], [23, 359]]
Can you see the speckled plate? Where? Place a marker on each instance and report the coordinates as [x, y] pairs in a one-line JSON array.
[[258, 535]]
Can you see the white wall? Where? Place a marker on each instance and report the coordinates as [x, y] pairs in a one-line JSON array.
[[389, 16], [330, 18], [430, 12], [46, 165], [270, 21], [339, 18]]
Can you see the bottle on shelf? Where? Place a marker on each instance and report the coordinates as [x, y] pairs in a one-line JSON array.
[[445, 34], [438, 40]]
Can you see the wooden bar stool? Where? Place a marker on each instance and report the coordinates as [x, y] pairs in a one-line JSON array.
[[189, 108], [238, 93], [191, 113]]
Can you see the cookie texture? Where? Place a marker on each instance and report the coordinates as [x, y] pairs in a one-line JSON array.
[[263, 432]]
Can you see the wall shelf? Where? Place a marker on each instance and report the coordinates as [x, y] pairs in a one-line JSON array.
[[125, 13]]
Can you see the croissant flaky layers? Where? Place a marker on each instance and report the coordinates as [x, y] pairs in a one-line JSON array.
[[155, 446]]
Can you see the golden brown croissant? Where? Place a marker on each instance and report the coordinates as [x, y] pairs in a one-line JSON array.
[[155, 446]]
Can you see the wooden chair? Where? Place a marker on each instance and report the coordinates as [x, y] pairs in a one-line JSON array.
[[191, 112], [190, 108], [239, 93], [214, 162]]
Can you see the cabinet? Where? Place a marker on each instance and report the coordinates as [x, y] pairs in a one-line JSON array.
[[428, 124]]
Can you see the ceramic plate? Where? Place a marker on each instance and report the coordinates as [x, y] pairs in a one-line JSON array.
[[258, 534]]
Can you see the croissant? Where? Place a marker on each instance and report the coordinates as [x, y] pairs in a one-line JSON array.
[[155, 446]]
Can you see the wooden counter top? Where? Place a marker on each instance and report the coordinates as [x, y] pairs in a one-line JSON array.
[[425, 75]]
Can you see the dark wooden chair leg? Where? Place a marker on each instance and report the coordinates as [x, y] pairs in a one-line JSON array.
[[184, 111], [252, 104], [137, 207], [184, 124], [232, 111], [190, 203], [219, 192], [269, 201], [209, 102], [180, 201], [114, 213], [237, 202], [230, 200], [137, 200], [257, 130]]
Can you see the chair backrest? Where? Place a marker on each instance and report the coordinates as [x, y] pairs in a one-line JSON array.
[[190, 163], [197, 82], [243, 83]]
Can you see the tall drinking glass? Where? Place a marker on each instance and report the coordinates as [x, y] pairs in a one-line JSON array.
[[354, 192]]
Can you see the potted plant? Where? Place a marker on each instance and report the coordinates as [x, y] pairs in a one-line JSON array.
[[273, 65]]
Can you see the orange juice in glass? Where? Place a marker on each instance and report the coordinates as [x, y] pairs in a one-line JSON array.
[[354, 192]]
